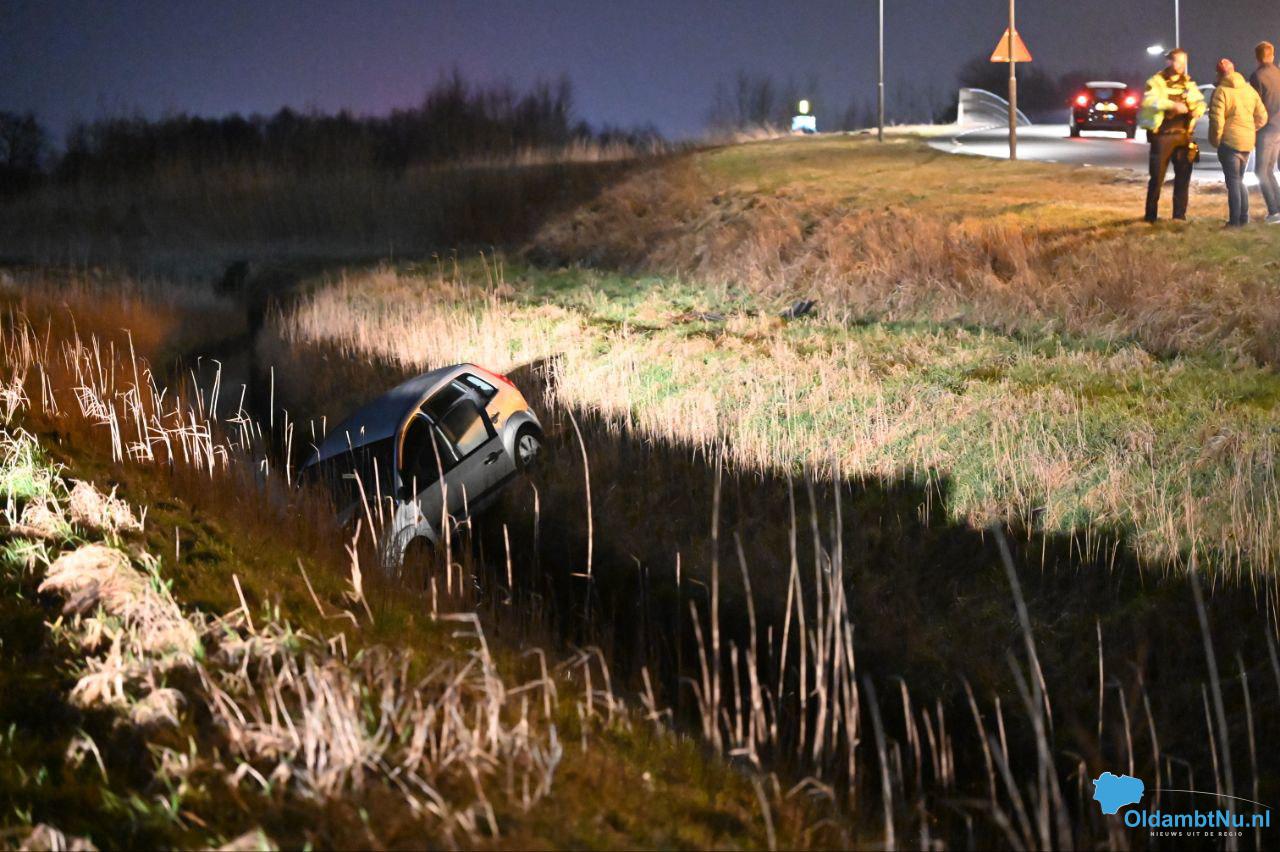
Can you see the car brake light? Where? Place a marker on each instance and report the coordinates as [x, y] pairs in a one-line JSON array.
[[1131, 101], [1082, 100], [500, 377]]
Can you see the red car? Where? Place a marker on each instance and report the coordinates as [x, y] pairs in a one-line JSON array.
[[1106, 106]]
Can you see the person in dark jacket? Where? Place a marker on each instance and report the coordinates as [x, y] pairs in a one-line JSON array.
[[1267, 81], [1171, 106]]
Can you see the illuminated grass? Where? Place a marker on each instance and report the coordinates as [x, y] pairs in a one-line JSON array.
[[1067, 435]]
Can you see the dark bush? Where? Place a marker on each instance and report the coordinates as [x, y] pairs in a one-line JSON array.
[[23, 145]]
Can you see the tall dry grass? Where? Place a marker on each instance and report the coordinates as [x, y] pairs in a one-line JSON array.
[[288, 714], [450, 748]]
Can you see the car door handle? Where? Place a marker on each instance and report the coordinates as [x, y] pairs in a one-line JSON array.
[[493, 457]]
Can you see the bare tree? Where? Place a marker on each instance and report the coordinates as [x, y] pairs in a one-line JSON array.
[[758, 101], [752, 100]]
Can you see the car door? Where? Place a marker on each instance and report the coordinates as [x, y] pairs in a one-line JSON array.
[[425, 455], [480, 463]]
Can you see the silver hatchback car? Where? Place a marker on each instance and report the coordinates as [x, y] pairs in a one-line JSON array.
[[436, 448]]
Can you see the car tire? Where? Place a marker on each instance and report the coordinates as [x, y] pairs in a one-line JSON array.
[[529, 448], [1131, 132], [1075, 131]]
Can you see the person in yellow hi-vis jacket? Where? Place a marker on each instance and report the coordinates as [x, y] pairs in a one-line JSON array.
[[1171, 106]]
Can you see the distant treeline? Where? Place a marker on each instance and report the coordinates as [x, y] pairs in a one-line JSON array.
[[752, 102], [455, 121]]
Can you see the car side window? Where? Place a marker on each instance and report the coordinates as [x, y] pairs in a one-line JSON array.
[[480, 386], [427, 455], [442, 400], [466, 427]]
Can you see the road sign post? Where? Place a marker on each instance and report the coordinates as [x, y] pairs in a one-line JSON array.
[[1012, 50], [1013, 89]]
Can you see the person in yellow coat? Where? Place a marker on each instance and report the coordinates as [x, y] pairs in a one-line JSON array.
[[1236, 114], [1171, 106]]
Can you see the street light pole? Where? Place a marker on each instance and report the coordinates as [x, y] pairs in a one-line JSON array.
[[880, 83], [1013, 86], [1177, 23]]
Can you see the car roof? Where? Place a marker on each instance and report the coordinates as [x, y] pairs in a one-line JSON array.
[[380, 418], [1106, 84]]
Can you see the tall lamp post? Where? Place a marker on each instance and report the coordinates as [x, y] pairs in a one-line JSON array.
[[1177, 23], [880, 80]]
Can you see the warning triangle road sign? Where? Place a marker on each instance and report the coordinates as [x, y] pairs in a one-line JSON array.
[[1020, 52]]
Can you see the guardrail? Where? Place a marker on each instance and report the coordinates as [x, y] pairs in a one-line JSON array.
[[979, 107]]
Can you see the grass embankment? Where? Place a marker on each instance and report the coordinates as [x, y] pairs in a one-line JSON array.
[[1065, 436], [314, 718], [1009, 330], [904, 232]]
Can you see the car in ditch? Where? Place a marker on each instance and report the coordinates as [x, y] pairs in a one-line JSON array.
[[434, 450], [1106, 105]]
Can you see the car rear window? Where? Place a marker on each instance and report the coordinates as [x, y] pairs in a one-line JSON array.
[[486, 390], [1106, 94]]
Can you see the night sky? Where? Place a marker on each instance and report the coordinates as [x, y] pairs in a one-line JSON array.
[[630, 62]]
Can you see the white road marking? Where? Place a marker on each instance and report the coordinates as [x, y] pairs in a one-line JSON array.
[[955, 140]]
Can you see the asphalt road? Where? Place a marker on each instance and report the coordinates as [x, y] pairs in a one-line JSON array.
[[1051, 143]]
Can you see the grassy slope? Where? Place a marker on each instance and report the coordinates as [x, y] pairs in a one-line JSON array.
[[1068, 430], [906, 174]]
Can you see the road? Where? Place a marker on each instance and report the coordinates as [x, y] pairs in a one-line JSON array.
[[1051, 143]]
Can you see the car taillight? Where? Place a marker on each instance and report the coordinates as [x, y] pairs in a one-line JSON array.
[[500, 377], [1082, 100], [1131, 101]]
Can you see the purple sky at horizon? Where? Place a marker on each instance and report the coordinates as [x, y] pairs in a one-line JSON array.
[[630, 62]]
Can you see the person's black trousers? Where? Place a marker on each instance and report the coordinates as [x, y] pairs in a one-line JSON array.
[[1166, 147]]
